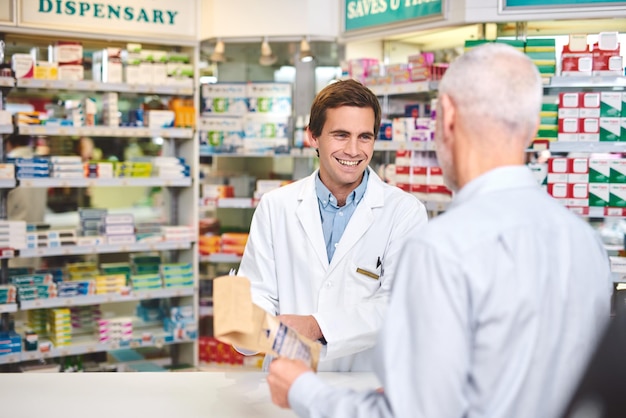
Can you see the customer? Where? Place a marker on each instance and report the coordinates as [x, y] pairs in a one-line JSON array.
[[499, 302], [323, 251]]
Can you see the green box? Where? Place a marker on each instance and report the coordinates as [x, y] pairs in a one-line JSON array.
[[617, 195], [598, 194], [610, 129], [599, 170], [610, 104]]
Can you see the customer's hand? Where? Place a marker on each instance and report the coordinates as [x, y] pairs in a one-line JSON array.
[[282, 373], [303, 324]]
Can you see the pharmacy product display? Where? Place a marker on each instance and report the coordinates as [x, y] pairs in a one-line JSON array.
[[113, 282]]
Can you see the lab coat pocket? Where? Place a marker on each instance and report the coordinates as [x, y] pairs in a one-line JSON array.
[[363, 281]]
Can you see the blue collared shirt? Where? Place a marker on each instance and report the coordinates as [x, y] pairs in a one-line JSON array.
[[335, 218]]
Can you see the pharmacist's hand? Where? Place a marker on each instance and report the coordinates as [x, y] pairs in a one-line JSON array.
[[303, 324], [282, 373]]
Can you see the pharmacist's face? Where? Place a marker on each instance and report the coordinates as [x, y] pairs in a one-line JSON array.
[[443, 147], [345, 147]]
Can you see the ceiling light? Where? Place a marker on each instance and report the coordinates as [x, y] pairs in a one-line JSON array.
[[218, 52], [267, 58], [305, 51]]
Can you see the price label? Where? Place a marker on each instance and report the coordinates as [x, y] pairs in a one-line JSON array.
[[135, 344]]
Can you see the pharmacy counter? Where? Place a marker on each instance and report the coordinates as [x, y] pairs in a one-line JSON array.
[[150, 395]]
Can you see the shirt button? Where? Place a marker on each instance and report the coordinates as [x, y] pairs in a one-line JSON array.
[[336, 244], [329, 285], [340, 213]]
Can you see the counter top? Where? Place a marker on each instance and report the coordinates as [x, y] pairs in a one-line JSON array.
[[150, 395]]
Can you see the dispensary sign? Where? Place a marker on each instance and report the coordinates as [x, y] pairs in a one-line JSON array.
[[139, 17], [362, 14]]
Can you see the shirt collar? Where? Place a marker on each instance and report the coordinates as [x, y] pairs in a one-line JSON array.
[[325, 197], [501, 178]]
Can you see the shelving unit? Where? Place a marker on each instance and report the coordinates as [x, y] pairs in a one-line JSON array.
[[106, 249], [106, 131], [104, 182], [63, 302], [179, 208], [89, 86]]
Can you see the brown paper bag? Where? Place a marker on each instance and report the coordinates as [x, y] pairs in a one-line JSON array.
[[238, 321]]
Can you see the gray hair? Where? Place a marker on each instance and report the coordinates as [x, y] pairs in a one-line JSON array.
[[495, 84]]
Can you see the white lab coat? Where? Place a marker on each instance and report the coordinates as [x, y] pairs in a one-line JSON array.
[[287, 264]]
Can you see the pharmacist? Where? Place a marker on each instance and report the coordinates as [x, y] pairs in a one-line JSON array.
[[499, 302], [323, 251]]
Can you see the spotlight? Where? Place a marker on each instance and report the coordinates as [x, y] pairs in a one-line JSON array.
[[267, 58], [305, 51], [218, 52]]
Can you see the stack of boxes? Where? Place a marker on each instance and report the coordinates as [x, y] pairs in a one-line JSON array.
[[90, 221], [592, 116], [10, 342], [84, 318], [34, 286], [69, 57], [111, 283], [37, 321], [107, 65], [176, 275], [132, 169], [102, 170], [51, 238], [7, 171], [233, 242], [110, 110], [178, 233], [146, 281], [12, 234], [115, 330], [8, 293], [26, 168], [113, 279], [600, 59], [66, 167], [543, 53], [170, 168], [607, 60], [60, 326], [549, 123], [417, 174], [119, 229], [581, 183], [181, 323], [258, 110]]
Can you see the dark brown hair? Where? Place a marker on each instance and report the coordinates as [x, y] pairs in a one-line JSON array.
[[342, 93]]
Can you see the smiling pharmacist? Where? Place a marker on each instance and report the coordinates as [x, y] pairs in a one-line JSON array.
[[323, 251]]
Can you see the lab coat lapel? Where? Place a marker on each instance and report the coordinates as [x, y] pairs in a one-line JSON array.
[[308, 214], [361, 219]]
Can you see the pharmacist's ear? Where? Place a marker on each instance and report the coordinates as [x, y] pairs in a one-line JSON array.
[[448, 116], [313, 141]]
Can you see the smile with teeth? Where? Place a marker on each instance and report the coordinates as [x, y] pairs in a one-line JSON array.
[[348, 163]]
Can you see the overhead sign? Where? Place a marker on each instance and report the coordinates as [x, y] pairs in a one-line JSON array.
[[549, 3], [134, 17], [362, 14]]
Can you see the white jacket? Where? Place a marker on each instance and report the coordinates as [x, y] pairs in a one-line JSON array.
[[287, 264]]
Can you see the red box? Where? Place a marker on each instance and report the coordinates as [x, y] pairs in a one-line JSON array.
[[576, 63], [570, 100], [558, 165], [559, 190]]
